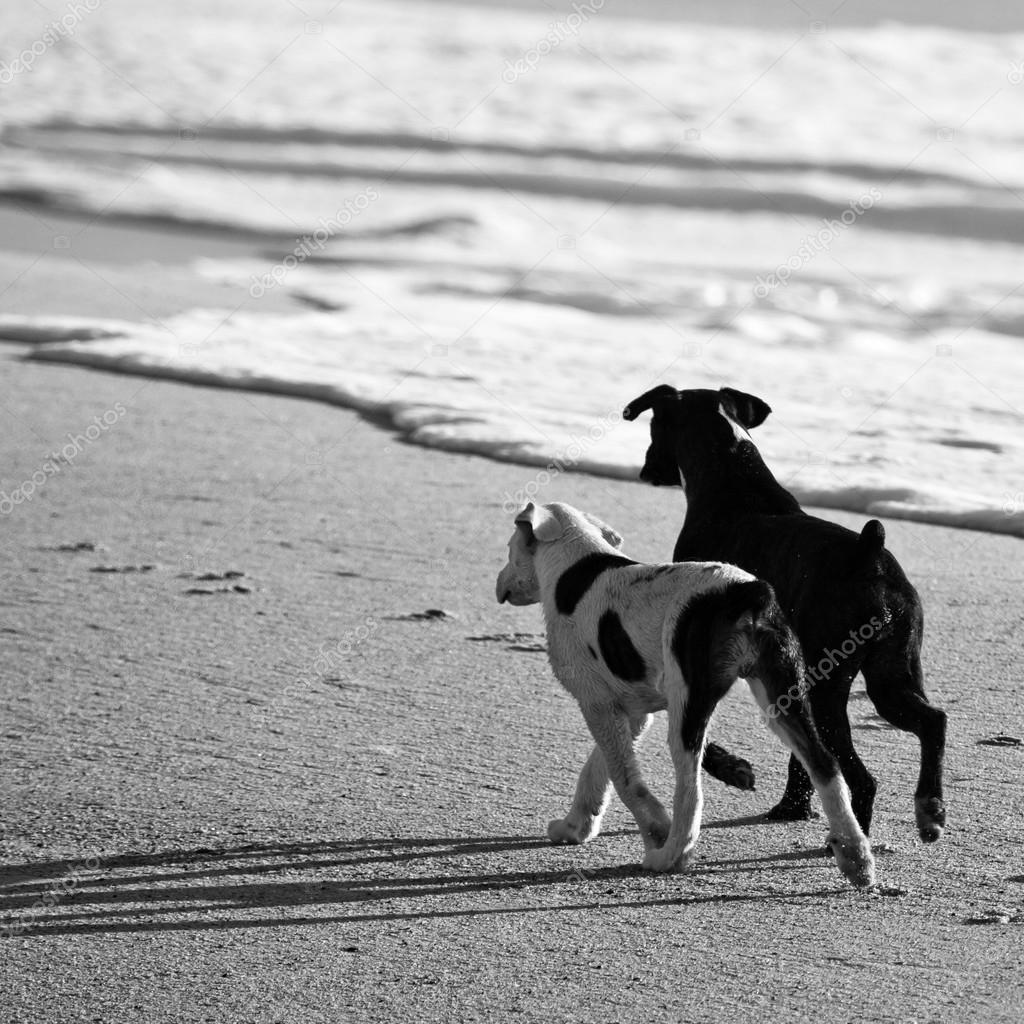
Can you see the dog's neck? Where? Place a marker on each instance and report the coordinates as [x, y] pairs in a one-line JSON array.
[[553, 558], [725, 482]]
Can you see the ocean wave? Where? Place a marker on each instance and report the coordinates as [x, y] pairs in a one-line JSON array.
[[194, 180], [882, 103], [686, 118], [149, 140]]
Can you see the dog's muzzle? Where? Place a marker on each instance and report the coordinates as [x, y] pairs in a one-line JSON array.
[[503, 591]]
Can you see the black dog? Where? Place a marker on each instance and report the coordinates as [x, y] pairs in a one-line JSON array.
[[845, 594]]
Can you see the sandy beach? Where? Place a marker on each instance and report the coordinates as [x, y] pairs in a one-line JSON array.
[[270, 751], [247, 777]]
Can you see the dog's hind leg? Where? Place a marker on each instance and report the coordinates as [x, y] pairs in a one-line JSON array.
[[895, 683], [616, 736], [689, 714], [791, 722], [795, 804], [702, 652], [831, 719], [828, 700], [593, 791]]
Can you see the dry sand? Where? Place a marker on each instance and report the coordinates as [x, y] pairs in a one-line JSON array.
[[282, 835]]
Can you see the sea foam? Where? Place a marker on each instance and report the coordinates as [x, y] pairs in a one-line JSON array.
[[849, 430]]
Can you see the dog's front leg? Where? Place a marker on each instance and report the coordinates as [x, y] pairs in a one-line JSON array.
[[583, 822], [615, 734], [593, 790]]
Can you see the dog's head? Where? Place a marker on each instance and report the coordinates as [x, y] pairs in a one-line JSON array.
[[693, 426], [539, 527]]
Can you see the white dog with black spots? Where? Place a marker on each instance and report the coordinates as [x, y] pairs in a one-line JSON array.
[[628, 639]]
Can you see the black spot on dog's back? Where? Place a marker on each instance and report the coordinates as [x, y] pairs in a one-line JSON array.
[[579, 578], [617, 649], [694, 634]]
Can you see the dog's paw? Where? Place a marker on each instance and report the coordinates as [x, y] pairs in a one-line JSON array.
[[784, 810], [740, 775], [931, 817], [854, 859], [664, 862], [562, 830], [728, 768]]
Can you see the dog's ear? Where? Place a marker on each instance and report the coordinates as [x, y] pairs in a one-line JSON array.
[[611, 535], [539, 523], [747, 410], [649, 400]]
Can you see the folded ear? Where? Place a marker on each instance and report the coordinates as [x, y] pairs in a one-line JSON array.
[[747, 410], [539, 523], [610, 534], [649, 400]]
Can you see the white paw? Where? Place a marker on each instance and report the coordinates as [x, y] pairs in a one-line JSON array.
[[854, 859], [664, 861], [563, 830]]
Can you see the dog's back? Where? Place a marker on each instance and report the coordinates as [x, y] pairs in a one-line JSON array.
[[829, 579], [629, 623]]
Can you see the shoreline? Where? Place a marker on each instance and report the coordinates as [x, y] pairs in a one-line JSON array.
[[140, 273], [871, 507]]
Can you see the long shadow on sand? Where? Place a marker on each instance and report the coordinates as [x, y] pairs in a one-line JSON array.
[[210, 889]]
